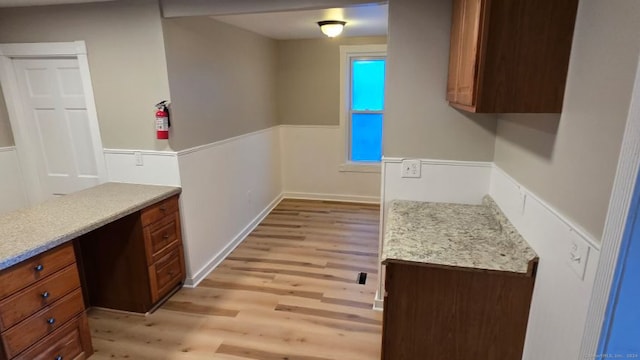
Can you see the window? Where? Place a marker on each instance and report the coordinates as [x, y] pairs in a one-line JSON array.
[[363, 79]]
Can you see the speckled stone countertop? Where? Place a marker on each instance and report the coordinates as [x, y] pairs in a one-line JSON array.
[[31, 231], [469, 236]]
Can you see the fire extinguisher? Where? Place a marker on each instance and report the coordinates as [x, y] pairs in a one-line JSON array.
[[162, 120]]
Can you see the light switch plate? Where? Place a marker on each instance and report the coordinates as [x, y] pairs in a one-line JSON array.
[[577, 254], [411, 168]]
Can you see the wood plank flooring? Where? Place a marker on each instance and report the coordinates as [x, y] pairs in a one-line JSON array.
[[288, 291]]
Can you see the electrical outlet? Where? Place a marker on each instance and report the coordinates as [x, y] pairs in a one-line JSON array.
[[138, 156], [411, 168], [578, 254]]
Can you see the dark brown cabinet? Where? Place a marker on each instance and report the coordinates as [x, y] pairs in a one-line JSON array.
[[510, 56], [436, 312], [133, 263], [42, 312]]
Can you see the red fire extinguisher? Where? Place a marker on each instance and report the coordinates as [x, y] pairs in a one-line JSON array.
[[162, 120]]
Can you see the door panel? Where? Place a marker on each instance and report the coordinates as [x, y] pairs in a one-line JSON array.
[[57, 124]]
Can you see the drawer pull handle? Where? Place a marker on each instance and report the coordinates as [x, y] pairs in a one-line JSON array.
[[51, 321], [171, 273], [45, 295], [59, 357], [165, 236], [163, 209], [38, 267]]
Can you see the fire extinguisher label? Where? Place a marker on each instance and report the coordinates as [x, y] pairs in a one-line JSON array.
[[162, 124]]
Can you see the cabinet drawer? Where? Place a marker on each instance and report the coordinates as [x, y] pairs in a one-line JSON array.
[[160, 236], [158, 211], [70, 342], [32, 299], [42, 323], [34, 269], [166, 273]]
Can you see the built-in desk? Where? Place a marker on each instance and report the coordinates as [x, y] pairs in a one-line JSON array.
[[115, 245]]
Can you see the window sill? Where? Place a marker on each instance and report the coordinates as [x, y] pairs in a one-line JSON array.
[[363, 167]]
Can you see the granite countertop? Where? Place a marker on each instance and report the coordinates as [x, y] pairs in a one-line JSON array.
[[28, 232], [468, 236]]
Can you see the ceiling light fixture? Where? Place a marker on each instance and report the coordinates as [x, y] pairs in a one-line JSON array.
[[331, 28]]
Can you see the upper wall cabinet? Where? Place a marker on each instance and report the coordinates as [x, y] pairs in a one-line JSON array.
[[510, 56]]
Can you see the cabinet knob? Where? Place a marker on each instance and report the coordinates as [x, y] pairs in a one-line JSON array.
[[163, 209], [51, 321], [38, 267], [165, 236], [45, 294], [59, 357]]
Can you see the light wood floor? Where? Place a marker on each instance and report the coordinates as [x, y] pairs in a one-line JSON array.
[[288, 291]]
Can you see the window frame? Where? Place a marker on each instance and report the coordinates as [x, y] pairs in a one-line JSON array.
[[348, 53]]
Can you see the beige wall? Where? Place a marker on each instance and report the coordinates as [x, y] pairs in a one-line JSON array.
[[222, 80], [126, 60], [570, 160], [419, 122], [309, 79], [6, 136]]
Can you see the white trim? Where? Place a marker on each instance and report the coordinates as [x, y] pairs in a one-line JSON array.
[[578, 230], [237, 240], [309, 126], [73, 48], [7, 148], [378, 301], [332, 197], [360, 167], [441, 162], [346, 53], [617, 217], [224, 141], [143, 152], [76, 49]]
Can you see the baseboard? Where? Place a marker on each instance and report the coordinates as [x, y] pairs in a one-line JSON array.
[[332, 197], [237, 240], [378, 305]]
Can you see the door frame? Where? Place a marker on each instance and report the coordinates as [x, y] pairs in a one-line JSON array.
[[9, 82], [615, 225]]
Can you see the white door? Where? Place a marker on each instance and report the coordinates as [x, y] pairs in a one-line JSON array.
[[56, 126]]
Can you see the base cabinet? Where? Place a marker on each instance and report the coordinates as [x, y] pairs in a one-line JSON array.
[[133, 263], [43, 314], [129, 264], [455, 314]]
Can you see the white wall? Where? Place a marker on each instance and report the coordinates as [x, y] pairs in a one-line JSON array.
[[12, 192], [157, 168], [227, 187], [561, 297], [311, 166]]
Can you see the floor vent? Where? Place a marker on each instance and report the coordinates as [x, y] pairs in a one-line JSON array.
[[362, 278]]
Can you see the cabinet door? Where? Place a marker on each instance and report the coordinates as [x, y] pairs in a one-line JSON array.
[[468, 52], [454, 50]]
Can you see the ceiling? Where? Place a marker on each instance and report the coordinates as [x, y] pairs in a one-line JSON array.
[[14, 3], [362, 20]]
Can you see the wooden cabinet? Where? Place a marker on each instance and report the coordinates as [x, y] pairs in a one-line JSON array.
[[435, 312], [41, 303], [133, 263], [510, 56]]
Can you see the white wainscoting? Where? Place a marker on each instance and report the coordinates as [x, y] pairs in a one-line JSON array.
[[228, 187], [462, 182], [158, 167], [12, 192], [561, 298], [313, 166]]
